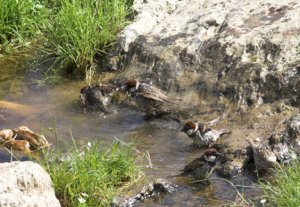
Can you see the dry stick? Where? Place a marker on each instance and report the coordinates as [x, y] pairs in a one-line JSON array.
[[149, 159], [11, 153], [227, 181]]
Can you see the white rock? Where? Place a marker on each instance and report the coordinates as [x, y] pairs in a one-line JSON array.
[[26, 184], [220, 40]]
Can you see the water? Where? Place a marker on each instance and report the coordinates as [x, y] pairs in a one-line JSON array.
[[56, 110]]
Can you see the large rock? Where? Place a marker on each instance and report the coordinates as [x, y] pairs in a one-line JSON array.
[[244, 50], [25, 184]]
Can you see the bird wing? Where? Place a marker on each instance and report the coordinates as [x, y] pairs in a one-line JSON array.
[[192, 166], [152, 93], [213, 122], [107, 89]]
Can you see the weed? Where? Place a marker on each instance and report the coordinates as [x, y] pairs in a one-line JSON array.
[[283, 190], [92, 176], [20, 20], [84, 29]]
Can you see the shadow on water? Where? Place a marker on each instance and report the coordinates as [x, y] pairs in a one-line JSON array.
[[56, 110]]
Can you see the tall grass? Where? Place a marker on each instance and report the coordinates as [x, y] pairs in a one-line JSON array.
[[284, 190], [92, 177], [83, 29], [77, 30], [20, 20]]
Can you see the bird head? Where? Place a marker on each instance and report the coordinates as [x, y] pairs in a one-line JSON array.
[[211, 155], [189, 128], [132, 85]]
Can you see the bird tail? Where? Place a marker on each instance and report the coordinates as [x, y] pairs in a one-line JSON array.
[[213, 122], [172, 100], [225, 131]]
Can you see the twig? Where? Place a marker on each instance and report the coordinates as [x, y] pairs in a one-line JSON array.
[[11, 153], [149, 159]]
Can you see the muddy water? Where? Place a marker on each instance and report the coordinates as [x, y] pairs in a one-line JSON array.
[[55, 111]]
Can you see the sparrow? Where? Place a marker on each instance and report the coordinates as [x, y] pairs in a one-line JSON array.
[[97, 96], [202, 167], [36, 141], [147, 96], [264, 158], [18, 145], [201, 134]]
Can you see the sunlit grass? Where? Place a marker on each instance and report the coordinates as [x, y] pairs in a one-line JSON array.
[[93, 175], [284, 190], [74, 31], [83, 29], [20, 20]]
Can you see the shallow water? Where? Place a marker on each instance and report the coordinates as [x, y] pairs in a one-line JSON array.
[[55, 111]]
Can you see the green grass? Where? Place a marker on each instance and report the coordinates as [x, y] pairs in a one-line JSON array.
[[84, 28], [19, 21], [74, 31], [94, 177], [284, 190]]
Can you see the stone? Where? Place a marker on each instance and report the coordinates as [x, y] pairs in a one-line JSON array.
[[203, 46], [155, 188], [26, 184]]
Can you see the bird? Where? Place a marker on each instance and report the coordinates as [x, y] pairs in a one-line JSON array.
[[18, 145], [97, 96], [264, 158], [201, 134], [36, 141], [202, 167], [146, 95]]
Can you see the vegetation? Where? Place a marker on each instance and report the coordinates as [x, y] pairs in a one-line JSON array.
[[19, 21], [85, 28], [284, 189], [75, 30], [92, 176]]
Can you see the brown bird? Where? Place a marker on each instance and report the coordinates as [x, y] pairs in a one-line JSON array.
[[202, 167], [18, 145], [97, 96], [147, 96], [201, 134], [264, 157]]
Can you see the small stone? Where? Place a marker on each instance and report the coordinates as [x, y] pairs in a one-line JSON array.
[[257, 139]]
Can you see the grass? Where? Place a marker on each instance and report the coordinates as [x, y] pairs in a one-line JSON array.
[[74, 31], [84, 29], [94, 175], [19, 21], [284, 190]]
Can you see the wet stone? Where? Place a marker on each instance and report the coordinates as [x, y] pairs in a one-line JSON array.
[[153, 189]]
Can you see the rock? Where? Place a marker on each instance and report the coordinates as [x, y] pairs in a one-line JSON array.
[[202, 46], [230, 168], [153, 189], [25, 184], [285, 138], [293, 127], [22, 139]]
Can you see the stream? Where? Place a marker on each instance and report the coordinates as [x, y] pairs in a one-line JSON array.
[[55, 111]]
